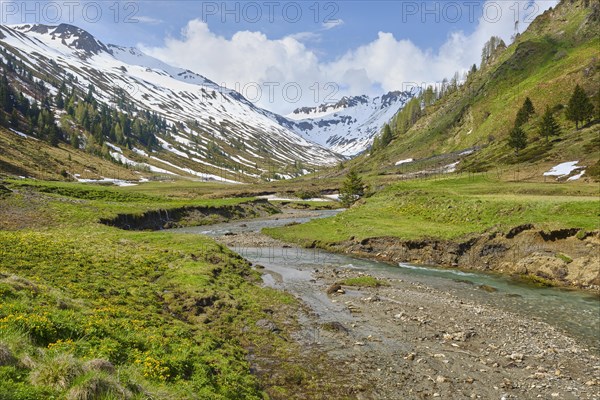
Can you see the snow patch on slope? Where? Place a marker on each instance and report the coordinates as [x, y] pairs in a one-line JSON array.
[[562, 169]]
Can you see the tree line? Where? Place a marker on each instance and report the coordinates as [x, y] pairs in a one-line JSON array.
[[580, 109], [415, 107], [84, 123]]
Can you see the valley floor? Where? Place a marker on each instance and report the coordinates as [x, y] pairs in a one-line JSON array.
[[93, 311]]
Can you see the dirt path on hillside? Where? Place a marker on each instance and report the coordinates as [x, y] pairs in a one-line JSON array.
[[407, 340]]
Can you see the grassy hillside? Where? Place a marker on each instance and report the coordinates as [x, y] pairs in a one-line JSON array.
[[558, 51], [34, 158]]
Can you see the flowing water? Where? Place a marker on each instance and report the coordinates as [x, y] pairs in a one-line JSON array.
[[575, 312]]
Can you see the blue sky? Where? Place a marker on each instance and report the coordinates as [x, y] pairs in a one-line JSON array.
[[363, 47], [427, 24], [362, 20]]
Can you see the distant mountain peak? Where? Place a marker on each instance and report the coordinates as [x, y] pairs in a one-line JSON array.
[[70, 35], [329, 108], [349, 125]]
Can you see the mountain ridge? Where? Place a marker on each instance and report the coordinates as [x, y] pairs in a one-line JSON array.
[[348, 133], [349, 125], [247, 142]]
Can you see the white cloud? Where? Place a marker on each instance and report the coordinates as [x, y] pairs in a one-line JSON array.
[[306, 36], [332, 23], [245, 59], [396, 63], [387, 63], [148, 20]]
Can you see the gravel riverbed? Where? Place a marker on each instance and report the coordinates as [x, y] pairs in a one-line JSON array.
[[407, 340]]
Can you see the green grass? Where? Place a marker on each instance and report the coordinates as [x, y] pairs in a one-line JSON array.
[[84, 191], [363, 281], [174, 314], [131, 298], [71, 204], [451, 208]]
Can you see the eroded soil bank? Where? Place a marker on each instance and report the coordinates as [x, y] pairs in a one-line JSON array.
[[565, 257], [191, 216]]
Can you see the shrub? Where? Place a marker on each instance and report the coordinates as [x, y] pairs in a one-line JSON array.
[[94, 385], [364, 281], [6, 356], [307, 194], [56, 371]]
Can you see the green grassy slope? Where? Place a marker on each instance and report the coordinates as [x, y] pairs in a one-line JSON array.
[[558, 51], [29, 157]]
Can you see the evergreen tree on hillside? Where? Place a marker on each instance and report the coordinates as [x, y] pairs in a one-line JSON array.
[[548, 126], [490, 48], [386, 136], [75, 140], [14, 118], [517, 139], [528, 106], [473, 69], [60, 101], [429, 96], [352, 189], [89, 98], [6, 102], [580, 108], [525, 112], [376, 144], [408, 115]]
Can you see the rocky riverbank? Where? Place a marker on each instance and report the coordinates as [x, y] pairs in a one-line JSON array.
[[404, 339], [565, 257]]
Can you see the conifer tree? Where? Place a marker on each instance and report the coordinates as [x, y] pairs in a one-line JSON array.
[[386, 136], [548, 126], [60, 101], [525, 112], [375, 146], [473, 69], [580, 108], [352, 189], [75, 140], [517, 139], [14, 118], [528, 106]]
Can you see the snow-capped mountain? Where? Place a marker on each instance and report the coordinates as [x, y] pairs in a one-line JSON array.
[[206, 118], [348, 126]]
